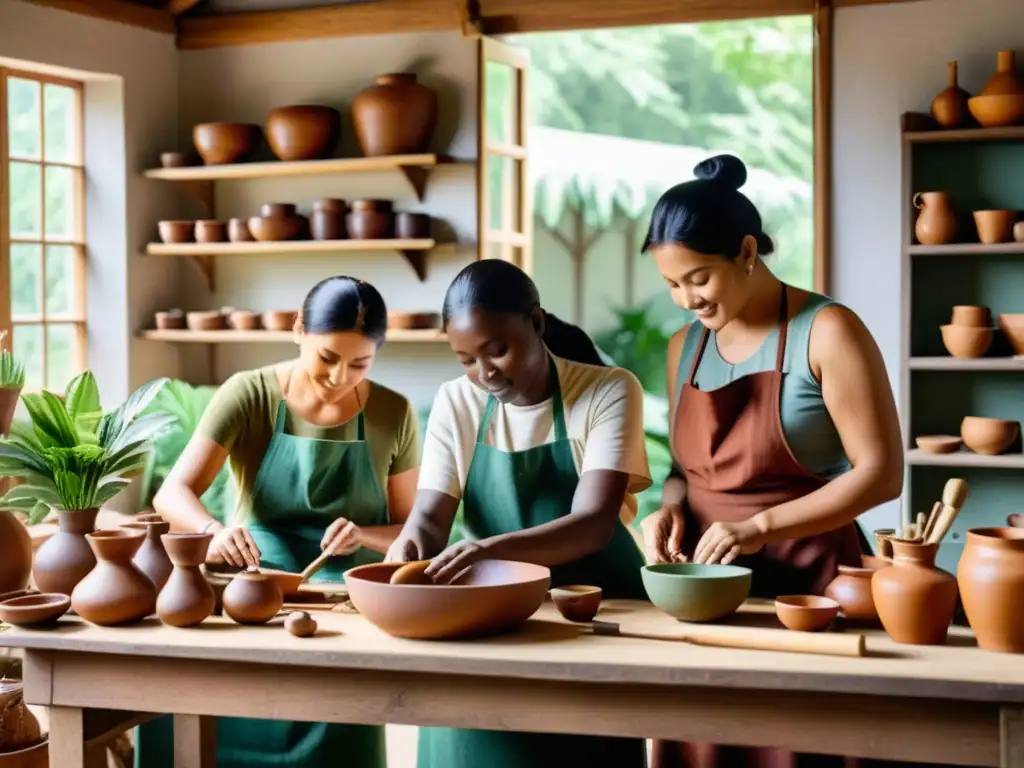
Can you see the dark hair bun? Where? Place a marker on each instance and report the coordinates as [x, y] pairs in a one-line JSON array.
[[727, 170], [765, 245]]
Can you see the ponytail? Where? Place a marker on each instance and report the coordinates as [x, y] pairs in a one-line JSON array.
[[570, 341]]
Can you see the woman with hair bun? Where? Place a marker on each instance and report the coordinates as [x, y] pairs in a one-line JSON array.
[[323, 460], [783, 423]]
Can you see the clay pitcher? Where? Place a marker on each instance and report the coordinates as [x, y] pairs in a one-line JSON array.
[[115, 592], [936, 222], [991, 579], [66, 558], [15, 553], [187, 598], [949, 107], [8, 403], [396, 116], [151, 558], [915, 600]]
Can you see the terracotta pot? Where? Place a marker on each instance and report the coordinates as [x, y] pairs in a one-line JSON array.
[[1012, 326], [936, 222], [330, 204], [277, 210], [211, 231], [965, 342], [369, 225], [412, 226], [915, 600], [32, 757], [303, 132], [8, 404], [327, 225], [66, 558], [949, 107], [170, 321], [207, 320], [988, 436], [1001, 101], [972, 316], [188, 598], [174, 159], [280, 320], [238, 231], [223, 143], [177, 232], [991, 579], [995, 226], [396, 116], [277, 228], [852, 590], [19, 728], [115, 592], [151, 558], [244, 320], [15, 553], [300, 624], [252, 598]]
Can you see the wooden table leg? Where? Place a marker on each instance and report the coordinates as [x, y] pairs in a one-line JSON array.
[[1011, 736], [195, 741], [67, 737]]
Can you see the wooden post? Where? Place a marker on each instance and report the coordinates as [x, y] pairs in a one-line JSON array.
[[823, 48]]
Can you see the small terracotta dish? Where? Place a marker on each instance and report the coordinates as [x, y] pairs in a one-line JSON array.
[[177, 231], [966, 341], [988, 436], [577, 602], [938, 443], [34, 610], [806, 613]]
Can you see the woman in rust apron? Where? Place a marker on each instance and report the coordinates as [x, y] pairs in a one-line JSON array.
[[779, 452]]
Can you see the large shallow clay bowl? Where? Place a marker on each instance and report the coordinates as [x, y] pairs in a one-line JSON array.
[[806, 613], [694, 592], [33, 610], [966, 341], [223, 143], [303, 132], [495, 596], [999, 110], [988, 436], [1012, 326], [938, 443]]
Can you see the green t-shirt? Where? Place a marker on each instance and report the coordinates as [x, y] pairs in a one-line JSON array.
[[241, 418]]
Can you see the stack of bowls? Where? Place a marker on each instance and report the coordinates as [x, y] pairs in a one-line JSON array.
[[969, 333]]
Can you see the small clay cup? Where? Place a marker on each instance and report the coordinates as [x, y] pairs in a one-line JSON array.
[[975, 317], [206, 321], [412, 226], [806, 613], [176, 232], [170, 321], [252, 598], [280, 320], [238, 231], [995, 226], [211, 231], [174, 159], [244, 320], [577, 602]]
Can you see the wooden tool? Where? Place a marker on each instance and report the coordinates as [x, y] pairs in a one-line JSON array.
[[933, 517], [750, 638], [922, 521], [315, 566], [953, 497]]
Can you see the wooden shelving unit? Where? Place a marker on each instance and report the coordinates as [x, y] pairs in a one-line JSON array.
[[272, 337], [961, 364], [968, 249], [965, 459]]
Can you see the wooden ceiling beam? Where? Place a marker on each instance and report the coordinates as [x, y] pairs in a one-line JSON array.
[[177, 7], [120, 11]]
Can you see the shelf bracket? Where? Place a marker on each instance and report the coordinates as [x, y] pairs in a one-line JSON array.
[[417, 178], [207, 265], [418, 261]]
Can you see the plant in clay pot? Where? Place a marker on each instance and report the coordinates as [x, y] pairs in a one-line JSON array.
[[73, 457], [12, 380]]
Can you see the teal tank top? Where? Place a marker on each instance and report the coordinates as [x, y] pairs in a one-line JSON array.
[[806, 423]]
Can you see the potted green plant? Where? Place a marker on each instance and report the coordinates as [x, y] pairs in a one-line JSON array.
[[12, 380], [72, 457]]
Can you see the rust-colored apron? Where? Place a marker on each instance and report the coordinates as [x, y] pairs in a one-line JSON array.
[[733, 452]]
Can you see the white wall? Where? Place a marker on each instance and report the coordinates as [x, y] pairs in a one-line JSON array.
[[890, 59]]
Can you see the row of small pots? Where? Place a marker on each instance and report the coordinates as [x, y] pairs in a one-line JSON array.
[[999, 103], [229, 318], [938, 223], [970, 333], [980, 434]]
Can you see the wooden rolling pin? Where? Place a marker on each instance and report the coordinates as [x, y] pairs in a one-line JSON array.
[[750, 638], [953, 497]]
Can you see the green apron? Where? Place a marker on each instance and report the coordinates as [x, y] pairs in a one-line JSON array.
[[508, 492], [302, 486]]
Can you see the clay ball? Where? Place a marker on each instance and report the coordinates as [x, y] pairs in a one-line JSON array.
[[300, 624]]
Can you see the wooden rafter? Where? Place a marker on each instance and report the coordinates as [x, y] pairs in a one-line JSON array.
[[120, 11], [177, 7]]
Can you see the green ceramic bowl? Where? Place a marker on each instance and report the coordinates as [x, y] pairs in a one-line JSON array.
[[692, 592]]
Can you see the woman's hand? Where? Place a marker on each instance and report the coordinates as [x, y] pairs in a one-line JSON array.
[[455, 559], [233, 545], [341, 538], [663, 535], [724, 542]]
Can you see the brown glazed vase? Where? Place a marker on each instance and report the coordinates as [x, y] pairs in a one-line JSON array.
[[8, 403], [15, 553], [187, 598], [991, 579], [66, 558], [915, 600], [151, 558], [252, 598], [949, 107], [936, 222], [395, 116], [115, 591], [852, 590], [303, 131]]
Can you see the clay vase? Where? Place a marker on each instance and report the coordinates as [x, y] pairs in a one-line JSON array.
[[915, 600], [115, 592], [396, 116], [991, 579], [252, 598], [151, 558], [187, 598], [15, 553], [8, 403], [303, 131], [936, 222], [66, 558], [1004, 81], [852, 590], [949, 107]]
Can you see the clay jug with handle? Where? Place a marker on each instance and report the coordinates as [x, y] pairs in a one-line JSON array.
[[936, 222]]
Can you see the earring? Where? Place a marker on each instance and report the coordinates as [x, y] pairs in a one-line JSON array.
[[750, 269]]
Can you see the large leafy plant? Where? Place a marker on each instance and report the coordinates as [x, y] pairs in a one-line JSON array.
[[72, 455], [12, 370]]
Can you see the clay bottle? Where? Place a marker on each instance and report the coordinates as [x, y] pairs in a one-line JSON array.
[[151, 558], [915, 600], [991, 579], [852, 590], [252, 598], [187, 598], [66, 558], [115, 591], [936, 223], [949, 107], [395, 116], [1004, 81]]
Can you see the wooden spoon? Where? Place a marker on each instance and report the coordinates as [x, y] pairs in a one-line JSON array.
[[315, 566], [953, 497]]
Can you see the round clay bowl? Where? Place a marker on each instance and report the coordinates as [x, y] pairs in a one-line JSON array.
[[995, 226], [965, 341], [173, 159], [938, 443], [168, 321], [176, 231], [694, 592], [577, 602], [238, 231], [988, 436], [32, 610], [495, 596], [211, 231], [224, 143], [280, 320], [806, 613], [303, 132], [206, 321], [975, 317], [1012, 326], [244, 320], [997, 111], [274, 229]]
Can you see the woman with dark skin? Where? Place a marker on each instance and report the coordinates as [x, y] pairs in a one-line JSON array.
[[784, 428], [545, 454]]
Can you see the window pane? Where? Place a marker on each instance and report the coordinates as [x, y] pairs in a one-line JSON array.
[[23, 128], [60, 356], [28, 347], [26, 201], [61, 290], [501, 99], [60, 202], [26, 279], [503, 186], [61, 123]]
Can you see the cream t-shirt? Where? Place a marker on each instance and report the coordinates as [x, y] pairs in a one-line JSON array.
[[604, 419]]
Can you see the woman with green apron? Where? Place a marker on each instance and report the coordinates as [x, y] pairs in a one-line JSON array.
[[323, 460], [545, 454]]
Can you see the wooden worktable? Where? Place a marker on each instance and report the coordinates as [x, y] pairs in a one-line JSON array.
[[953, 704]]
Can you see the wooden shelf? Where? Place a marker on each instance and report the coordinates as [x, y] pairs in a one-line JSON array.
[[967, 249], [964, 135], [965, 459], [967, 364], [271, 337]]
